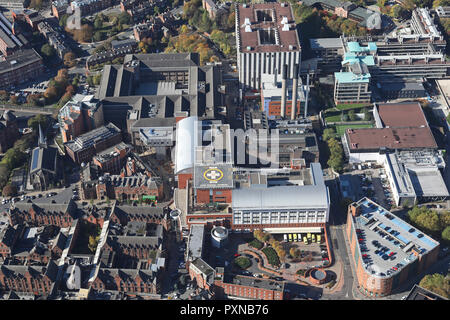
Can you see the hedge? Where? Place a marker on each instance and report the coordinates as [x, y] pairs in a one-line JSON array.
[[272, 256]]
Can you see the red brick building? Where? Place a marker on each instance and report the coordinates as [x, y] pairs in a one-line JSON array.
[[124, 188], [124, 214], [202, 272], [227, 285], [9, 130], [36, 280], [87, 145], [112, 159], [131, 281], [408, 252], [60, 215]]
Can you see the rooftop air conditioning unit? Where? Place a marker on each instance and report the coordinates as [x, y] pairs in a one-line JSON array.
[[284, 20]]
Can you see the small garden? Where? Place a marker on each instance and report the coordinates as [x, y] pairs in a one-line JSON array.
[[255, 243], [242, 262], [272, 256]]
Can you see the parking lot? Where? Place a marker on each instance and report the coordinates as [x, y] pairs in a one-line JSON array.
[[368, 180]]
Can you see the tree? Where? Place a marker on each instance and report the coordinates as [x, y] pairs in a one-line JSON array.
[[328, 133], [93, 242], [51, 94], [446, 234], [47, 50], [98, 36], [352, 115], [9, 190], [84, 34], [39, 119], [437, 283], [13, 99], [69, 59], [124, 18], [98, 22], [336, 160], [4, 95]]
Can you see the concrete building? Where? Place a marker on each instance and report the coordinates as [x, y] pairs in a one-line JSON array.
[[266, 40], [386, 251], [272, 96], [442, 12], [423, 23], [296, 204], [159, 86], [329, 52], [416, 176], [353, 84]]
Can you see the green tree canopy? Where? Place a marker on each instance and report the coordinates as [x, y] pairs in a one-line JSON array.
[[437, 283]]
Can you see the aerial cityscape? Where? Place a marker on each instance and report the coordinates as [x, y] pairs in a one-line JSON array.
[[224, 150]]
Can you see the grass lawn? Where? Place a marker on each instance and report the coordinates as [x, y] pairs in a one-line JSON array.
[[352, 106], [340, 129], [335, 118]]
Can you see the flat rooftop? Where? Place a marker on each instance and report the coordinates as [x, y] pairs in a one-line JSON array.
[[391, 138], [255, 283], [402, 115], [376, 225], [218, 176], [270, 28], [326, 43]]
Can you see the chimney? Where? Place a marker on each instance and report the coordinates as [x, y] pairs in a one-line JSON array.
[[294, 93], [307, 95], [283, 91]]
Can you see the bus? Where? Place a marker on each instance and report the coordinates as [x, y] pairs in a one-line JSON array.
[[285, 237], [299, 236], [313, 237], [308, 236], [305, 240], [295, 237], [290, 237], [319, 238]]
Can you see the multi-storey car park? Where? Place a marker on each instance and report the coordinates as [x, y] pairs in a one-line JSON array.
[[386, 251]]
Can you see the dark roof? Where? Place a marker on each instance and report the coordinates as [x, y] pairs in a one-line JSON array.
[[158, 212], [18, 60], [46, 207], [420, 293], [7, 236], [43, 159]]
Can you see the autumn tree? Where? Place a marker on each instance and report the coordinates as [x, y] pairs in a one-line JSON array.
[[9, 190], [69, 59]]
